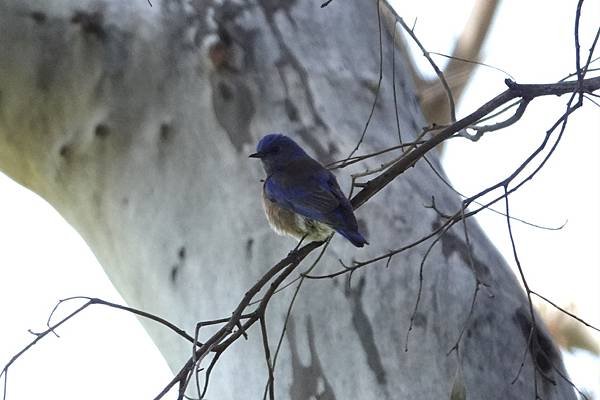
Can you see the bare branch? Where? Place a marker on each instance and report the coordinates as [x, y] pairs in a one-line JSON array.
[[270, 386], [480, 130], [564, 311], [514, 91], [468, 61]]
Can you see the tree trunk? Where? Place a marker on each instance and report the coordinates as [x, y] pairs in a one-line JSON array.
[[135, 123]]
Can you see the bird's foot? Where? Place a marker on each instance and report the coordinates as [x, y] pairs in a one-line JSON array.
[[295, 249]]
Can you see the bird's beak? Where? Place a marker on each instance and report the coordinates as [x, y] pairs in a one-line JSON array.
[[256, 155]]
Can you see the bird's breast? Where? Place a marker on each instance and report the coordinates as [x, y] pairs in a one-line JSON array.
[[287, 222]]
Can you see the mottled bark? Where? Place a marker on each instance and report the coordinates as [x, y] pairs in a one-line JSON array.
[[135, 123]]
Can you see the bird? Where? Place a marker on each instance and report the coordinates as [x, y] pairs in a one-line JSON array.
[[301, 198]]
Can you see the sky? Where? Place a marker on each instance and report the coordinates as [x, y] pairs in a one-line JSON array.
[[42, 259]]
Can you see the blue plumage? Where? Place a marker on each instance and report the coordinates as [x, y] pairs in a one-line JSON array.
[[301, 197]]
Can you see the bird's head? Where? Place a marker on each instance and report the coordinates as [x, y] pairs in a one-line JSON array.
[[276, 151]]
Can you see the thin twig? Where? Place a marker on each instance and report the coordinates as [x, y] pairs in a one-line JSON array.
[[437, 70], [533, 328], [559, 308], [267, 350], [478, 282], [493, 210], [394, 85], [352, 160], [225, 336], [420, 290], [472, 62], [480, 130], [364, 132], [292, 302]]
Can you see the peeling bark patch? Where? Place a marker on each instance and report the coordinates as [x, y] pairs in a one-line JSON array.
[[225, 54], [233, 107], [310, 382], [220, 54], [38, 17], [174, 272], [541, 348], [249, 245], [364, 330], [291, 110], [164, 137], [217, 55], [225, 91], [289, 62], [65, 151], [453, 243], [91, 23], [175, 268], [235, 48], [102, 131], [165, 132]]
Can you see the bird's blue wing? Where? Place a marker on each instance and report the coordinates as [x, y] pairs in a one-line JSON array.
[[311, 196]]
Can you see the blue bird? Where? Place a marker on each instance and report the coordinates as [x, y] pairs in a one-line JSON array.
[[302, 198]]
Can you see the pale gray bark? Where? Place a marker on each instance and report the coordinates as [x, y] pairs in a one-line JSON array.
[[116, 114]]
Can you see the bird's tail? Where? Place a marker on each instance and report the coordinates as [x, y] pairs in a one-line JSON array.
[[353, 236]]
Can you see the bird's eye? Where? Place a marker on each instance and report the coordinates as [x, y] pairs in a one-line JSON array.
[[275, 149]]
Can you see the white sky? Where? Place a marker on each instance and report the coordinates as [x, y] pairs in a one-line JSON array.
[[106, 354]]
